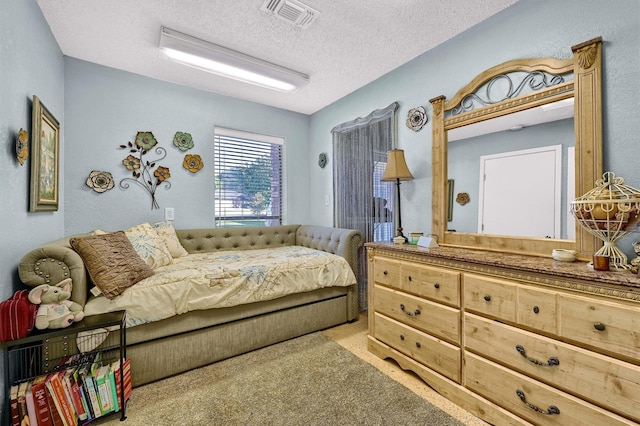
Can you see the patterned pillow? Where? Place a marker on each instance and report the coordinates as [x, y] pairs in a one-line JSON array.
[[168, 234], [112, 263], [149, 246]]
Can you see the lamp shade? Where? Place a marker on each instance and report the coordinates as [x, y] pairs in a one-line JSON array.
[[396, 167]]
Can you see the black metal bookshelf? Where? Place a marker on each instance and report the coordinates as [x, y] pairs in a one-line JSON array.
[[101, 337]]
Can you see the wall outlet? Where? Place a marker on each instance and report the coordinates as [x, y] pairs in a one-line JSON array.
[[169, 213]]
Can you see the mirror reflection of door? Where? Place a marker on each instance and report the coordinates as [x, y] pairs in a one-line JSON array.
[[532, 180]]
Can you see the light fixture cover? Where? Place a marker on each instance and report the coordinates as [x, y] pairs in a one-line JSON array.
[[396, 167], [196, 53]]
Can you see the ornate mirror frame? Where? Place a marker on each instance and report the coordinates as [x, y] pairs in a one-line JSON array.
[[585, 88]]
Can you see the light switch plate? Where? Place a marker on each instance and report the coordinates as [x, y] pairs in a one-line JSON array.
[[169, 213]]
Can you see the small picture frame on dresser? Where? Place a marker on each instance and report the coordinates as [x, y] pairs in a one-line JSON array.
[[428, 242]]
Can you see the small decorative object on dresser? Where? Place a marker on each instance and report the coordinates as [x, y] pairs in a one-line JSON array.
[[563, 255], [609, 211], [601, 263], [635, 262], [430, 241], [414, 237]]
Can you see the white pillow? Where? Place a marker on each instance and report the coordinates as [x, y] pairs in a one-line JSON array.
[[149, 246], [168, 234]]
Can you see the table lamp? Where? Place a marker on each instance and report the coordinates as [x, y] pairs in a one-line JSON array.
[[395, 171]]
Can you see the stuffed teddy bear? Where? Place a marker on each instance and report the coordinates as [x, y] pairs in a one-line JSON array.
[[56, 310]]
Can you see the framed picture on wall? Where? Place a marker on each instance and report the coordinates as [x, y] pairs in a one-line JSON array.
[[45, 161]]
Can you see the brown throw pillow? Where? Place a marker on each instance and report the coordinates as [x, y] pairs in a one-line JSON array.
[[111, 261]]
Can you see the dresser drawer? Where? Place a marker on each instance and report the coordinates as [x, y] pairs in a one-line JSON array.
[[532, 400], [603, 380], [537, 309], [440, 321], [433, 283], [386, 271], [428, 350], [490, 296], [609, 326]]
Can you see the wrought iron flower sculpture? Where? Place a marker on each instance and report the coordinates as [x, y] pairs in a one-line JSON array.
[[142, 169], [183, 141], [193, 163], [417, 118], [100, 181]]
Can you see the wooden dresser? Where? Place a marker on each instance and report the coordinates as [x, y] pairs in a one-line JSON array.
[[512, 339]]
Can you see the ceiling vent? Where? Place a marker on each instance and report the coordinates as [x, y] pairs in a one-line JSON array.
[[291, 11]]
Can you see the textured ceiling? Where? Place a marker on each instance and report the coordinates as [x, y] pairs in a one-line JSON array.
[[351, 43]]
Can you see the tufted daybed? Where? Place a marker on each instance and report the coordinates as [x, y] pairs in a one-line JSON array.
[[182, 342]]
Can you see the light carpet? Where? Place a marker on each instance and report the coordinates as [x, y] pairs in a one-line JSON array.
[[310, 380]]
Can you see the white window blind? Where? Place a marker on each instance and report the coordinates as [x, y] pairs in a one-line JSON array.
[[248, 178]]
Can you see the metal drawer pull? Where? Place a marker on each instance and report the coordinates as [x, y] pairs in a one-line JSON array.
[[418, 345], [599, 326], [436, 285], [384, 272], [411, 314], [487, 298], [402, 337], [409, 278], [536, 310], [549, 411], [550, 363]]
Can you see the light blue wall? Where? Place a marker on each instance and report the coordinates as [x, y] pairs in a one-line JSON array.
[[530, 28], [106, 108], [31, 63]]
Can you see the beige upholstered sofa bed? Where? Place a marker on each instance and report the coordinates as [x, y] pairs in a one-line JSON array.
[[172, 345]]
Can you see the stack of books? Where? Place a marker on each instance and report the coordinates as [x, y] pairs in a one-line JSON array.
[[73, 395]]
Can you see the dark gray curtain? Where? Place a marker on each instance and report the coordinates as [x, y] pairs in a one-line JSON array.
[[359, 155]]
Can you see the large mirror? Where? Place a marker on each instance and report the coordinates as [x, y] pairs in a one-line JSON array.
[[498, 109]]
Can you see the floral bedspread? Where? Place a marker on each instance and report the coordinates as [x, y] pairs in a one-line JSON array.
[[226, 278]]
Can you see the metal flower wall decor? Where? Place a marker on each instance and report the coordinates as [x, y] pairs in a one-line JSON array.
[[142, 169], [100, 181], [183, 140], [193, 163], [22, 146], [416, 118]]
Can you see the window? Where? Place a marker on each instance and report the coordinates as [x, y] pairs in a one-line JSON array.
[[248, 178]]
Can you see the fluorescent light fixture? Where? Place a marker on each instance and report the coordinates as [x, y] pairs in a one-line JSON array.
[[565, 103], [193, 52]]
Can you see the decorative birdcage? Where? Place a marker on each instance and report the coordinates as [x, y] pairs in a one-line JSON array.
[[609, 211]]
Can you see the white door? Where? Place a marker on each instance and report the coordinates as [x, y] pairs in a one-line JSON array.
[[520, 193]]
